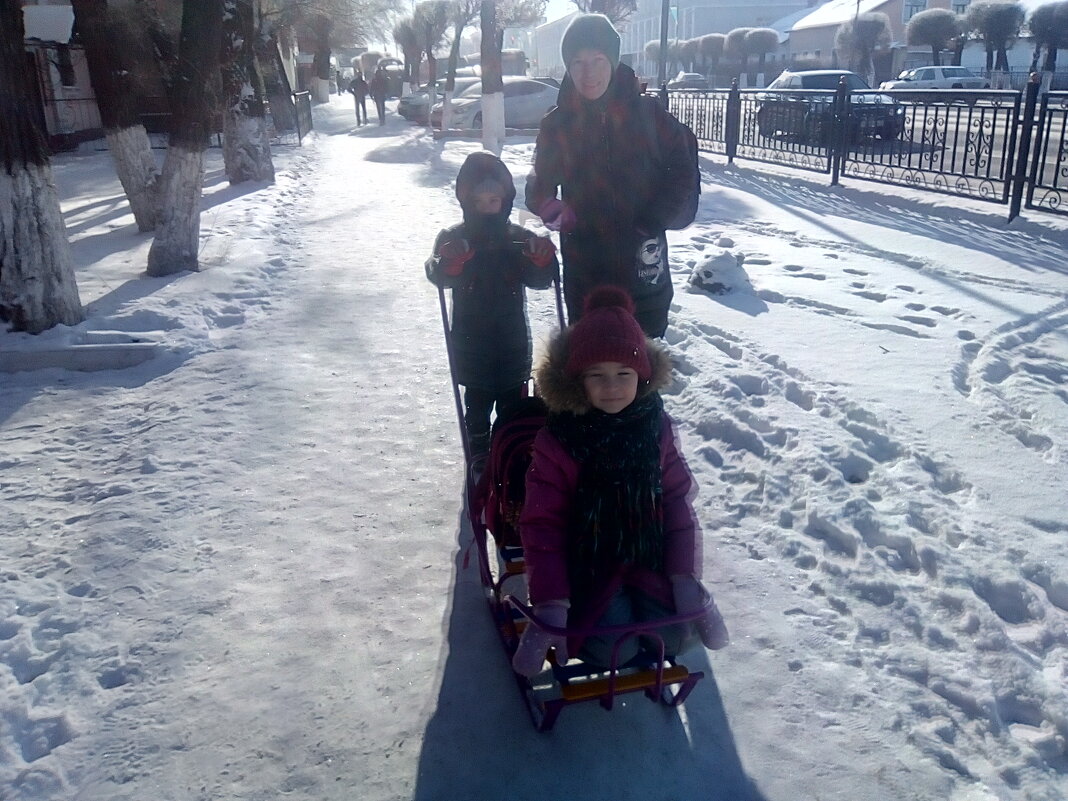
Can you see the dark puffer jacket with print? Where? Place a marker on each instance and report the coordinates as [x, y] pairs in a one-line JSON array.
[[628, 169]]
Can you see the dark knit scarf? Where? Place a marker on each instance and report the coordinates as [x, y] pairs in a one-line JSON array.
[[617, 514]]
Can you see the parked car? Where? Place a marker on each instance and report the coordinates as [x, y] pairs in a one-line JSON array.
[[526, 101], [810, 115], [937, 78], [416, 106], [688, 80]]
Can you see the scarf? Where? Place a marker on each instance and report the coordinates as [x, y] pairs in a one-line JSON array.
[[617, 515]]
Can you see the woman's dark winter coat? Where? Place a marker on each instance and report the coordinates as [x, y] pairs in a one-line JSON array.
[[628, 169], [552, 482], [490, 332]]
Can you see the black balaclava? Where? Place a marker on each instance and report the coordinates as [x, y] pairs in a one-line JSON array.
[[482, 171]]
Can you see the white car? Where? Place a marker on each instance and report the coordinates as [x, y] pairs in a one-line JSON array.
[[937, 78], [526, 101]]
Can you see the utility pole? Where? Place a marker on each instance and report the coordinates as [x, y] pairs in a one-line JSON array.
[[665, 11]]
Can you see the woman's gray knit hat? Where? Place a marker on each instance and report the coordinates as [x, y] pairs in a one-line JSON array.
[[594, 31]]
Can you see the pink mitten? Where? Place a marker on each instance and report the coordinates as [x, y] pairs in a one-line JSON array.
[[557, 215], [690, 596], [529, 657]]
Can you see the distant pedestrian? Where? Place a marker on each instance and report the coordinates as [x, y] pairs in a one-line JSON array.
[[378, 89], [358, 88]]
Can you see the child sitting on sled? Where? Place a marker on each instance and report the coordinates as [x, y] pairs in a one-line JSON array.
[[487, 262], [608, 529]]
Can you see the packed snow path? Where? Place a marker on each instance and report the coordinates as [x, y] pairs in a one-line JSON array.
[[238, 570]]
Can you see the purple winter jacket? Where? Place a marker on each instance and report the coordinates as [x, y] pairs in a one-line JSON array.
[[550, 490]]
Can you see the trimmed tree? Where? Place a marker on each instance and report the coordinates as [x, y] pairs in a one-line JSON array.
[[759, 42], [246, 144], [112, 77], [711, 47], [735, 48], [461, 14], [616, 10], [998, 25], [1049, 27], [934, 28], [37, 286], [177, 241], [430, 21], [407, 39], [858, 39]]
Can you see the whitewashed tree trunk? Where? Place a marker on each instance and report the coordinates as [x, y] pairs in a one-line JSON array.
[[493, 132], [446, 111], [321, 90], [131, 151], [177, 241], [37, 286]]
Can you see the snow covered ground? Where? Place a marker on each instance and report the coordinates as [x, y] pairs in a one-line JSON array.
[[237, 570]]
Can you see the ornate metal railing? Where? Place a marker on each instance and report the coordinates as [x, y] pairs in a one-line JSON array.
[[1048, 186], [986, 145], [960, 143]]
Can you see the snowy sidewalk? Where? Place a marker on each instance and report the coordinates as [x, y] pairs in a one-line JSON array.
[[236, 571]]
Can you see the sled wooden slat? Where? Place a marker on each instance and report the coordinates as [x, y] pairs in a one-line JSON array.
[[628, 682]]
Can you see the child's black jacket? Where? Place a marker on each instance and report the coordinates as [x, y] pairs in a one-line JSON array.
[[490, 332]]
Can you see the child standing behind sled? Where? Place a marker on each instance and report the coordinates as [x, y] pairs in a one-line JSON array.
[[487, 262], [608, 529]]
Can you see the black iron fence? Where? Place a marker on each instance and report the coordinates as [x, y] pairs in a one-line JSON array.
[[304, 114], [999, 146]]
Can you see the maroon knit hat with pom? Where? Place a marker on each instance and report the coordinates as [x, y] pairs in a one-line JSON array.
[[608, 332]]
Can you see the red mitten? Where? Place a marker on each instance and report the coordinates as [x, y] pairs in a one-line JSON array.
[[453, 255], [541, 251], [690, 596]]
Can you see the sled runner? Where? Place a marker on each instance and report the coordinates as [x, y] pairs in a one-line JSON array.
[[494, 501]]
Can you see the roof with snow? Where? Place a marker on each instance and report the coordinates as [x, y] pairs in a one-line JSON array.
[[48, 23], [835, 12]]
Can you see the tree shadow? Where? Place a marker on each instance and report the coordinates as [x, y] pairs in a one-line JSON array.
[[480, 743]]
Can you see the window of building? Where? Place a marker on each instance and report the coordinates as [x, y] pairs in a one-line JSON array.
[[960, 6], [910, 8]]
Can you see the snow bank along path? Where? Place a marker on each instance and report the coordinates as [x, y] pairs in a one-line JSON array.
[[233, 572]]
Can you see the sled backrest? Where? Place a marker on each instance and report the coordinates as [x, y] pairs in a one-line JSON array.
[[506, 470]]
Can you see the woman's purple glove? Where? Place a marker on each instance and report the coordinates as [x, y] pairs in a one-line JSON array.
[[530, 655], [690, 596], [557, 215]]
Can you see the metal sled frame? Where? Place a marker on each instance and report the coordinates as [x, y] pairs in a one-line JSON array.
[[661, 679]]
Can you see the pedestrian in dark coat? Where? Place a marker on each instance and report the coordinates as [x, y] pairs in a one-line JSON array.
[[487, 261], [608, 527], [379, 88], [626, 170], [358, 88]]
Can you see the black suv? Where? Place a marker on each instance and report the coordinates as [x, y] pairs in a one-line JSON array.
[[803, 106]]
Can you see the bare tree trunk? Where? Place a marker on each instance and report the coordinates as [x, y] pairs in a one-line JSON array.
[[127, 140], [246, 145], [178, 237], [493, 132], [37, 286]]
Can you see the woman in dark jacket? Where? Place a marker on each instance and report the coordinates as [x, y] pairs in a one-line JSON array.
[[626, 170]]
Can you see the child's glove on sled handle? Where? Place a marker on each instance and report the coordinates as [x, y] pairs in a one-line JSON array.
[[541, 251], [530, 655], [690, 596], [453, 255], [557, 215]]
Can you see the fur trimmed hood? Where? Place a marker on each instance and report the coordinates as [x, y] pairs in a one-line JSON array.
[[564, 393]]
